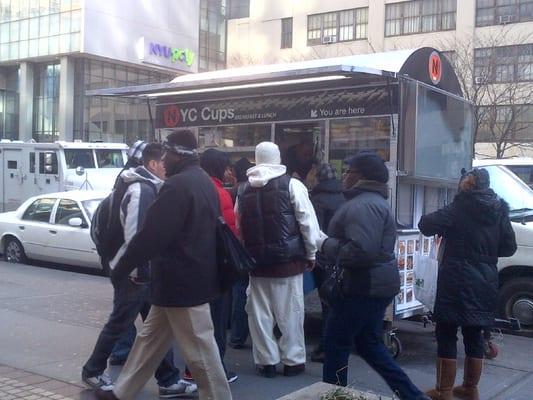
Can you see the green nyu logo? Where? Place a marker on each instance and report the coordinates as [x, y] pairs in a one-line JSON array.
[[174, 54]]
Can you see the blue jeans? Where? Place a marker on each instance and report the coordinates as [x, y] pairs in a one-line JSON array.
[[129, 300], [122, 348], [359, 320], [239, 318]]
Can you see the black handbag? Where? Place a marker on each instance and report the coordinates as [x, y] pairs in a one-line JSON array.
[[331, 290], [233, 259]]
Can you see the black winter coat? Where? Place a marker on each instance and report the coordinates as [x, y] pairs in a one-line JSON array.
[[362, 234], [178, 235], [477, 231], [327, 197]]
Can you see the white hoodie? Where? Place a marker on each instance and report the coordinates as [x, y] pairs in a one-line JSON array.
[[304, 212]]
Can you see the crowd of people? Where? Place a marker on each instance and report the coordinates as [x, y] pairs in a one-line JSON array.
[[166, 270]]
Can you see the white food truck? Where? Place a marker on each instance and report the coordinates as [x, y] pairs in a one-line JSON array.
[[29, 168], [405, 105]]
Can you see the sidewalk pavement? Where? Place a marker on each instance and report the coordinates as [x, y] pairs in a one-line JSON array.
[[18, 384], [49, 321]]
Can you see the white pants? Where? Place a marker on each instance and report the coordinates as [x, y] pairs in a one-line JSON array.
[[278, 301], [192, 329]]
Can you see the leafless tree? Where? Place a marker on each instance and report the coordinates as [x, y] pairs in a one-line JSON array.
[[491, 85]]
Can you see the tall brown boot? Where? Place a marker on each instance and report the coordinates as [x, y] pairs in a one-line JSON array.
[[468, 390], [446, 368]]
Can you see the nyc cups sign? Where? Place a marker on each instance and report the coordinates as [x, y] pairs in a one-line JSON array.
[[435, 68]]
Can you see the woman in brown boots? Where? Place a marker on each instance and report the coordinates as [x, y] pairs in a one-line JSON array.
[[476, 231]]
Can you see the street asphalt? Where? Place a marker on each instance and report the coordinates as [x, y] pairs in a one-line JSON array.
[[50, 318]]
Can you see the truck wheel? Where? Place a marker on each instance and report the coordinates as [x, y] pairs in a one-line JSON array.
[[516, 300], [14, 251]]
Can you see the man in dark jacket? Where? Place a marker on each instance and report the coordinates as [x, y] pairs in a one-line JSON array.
[[179, 236], [131, 292], [476, 231], [362, 236], [326, 197]]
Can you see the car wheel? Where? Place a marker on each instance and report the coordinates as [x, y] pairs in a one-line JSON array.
[[14, 252], [516, 300]]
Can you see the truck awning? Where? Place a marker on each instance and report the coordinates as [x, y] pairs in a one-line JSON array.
[[414, 63]]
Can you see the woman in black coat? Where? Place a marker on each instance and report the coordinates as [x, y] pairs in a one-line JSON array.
[[326, 197], [476, 231]]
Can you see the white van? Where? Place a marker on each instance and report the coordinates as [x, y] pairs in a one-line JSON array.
[[521, 166], [516, 272], [30, 169]]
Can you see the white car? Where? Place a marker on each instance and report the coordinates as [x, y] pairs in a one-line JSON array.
[[52, 227], [521, 166]]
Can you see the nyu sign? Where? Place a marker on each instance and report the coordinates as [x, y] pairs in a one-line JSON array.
[[152, 52], [173, 53]]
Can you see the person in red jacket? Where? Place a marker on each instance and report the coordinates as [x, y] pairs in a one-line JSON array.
[[216, 163]]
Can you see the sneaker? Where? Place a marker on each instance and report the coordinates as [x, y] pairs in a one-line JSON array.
[[179, 389], [231, 376], [102, 382], [187, 375]]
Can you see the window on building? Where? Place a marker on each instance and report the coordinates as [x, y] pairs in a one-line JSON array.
[[238, 9], [504, 64], [338, 26], [494, 12], [46, 102], [286, 33], [509, 122], [420, 16], [212, 52]]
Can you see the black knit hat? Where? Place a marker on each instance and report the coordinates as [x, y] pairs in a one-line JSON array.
[[182, 142], [482, 177], [369, 165], [214, 162]]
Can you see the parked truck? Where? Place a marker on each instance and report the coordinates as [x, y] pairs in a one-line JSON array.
[[30, 168]]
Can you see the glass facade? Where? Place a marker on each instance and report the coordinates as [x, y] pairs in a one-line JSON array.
[[32, 28], [212, 35], [9, 103], [46, 102], [111, 119]]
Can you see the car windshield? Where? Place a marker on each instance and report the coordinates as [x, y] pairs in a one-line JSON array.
[[79, 158], [524, 172], [109, 158], [515, 192], [90, 206]]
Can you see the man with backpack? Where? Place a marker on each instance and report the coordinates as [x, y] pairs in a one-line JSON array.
[[116, 221]]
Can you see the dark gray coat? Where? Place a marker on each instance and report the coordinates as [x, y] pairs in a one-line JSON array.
[[477, 231], [362, 234]]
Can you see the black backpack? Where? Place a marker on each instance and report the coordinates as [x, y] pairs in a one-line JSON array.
[[106, 230]]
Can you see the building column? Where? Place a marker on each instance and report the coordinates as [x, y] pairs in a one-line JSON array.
[[26, 101], [65, 115]]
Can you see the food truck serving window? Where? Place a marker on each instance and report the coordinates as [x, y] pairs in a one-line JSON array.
[[348, 136], [234, 135]]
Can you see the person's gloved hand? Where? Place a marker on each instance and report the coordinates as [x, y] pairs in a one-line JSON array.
[[320, 241]]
